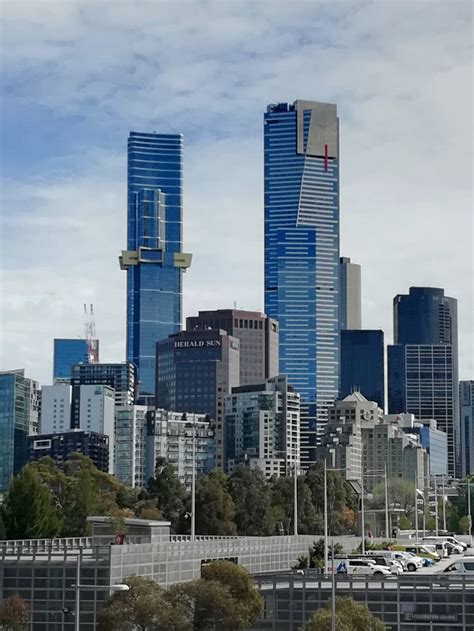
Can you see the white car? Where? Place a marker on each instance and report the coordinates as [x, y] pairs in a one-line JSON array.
[[452, 544], [449, 539], [360, 567], [461, 566], [411, 561]]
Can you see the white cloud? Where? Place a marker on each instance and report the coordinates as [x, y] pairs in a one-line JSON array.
[[400, 73]]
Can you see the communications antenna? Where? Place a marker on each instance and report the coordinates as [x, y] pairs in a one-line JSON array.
[[89, 331]]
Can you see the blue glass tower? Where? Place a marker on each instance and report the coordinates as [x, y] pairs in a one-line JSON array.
[[68, 352], [301, 148], [154, 260], [423, 363], [362, 364]]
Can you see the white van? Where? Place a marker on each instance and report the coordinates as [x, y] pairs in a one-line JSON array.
[[443, 548], [461, 566], [458, 547]]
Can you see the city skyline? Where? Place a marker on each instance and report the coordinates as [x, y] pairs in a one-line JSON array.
[[65, 191]]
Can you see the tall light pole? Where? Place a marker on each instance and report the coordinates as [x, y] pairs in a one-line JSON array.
[[436, 505], [416, 496], [469, 509], [326, 518], [333, 591], [387, 518], [295, 498], [193, 485], [444, 505], [362, 513]]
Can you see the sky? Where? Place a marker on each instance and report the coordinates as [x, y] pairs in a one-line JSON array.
[[78, 76]]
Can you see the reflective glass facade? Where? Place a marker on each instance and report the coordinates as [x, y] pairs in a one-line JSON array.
[[435, 443], [423, 363], [362, 364], [301, 151], [155, 173], [66, 354], [466, 407], [15, 413]]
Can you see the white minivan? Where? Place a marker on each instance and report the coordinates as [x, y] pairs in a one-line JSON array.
[[461, 566]]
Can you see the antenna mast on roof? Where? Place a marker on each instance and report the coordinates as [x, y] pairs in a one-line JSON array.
[[89, 330]]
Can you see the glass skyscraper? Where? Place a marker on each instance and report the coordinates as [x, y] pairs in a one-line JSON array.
[[68, 352], [423, 363], [154, 260], [301, 153], [19, 409], [362, 364]]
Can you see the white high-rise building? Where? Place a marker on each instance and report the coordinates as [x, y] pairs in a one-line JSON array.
[[55, 408]]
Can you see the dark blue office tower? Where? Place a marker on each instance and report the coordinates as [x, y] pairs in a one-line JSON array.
[[154, 260], [362, 364], [423, 363]]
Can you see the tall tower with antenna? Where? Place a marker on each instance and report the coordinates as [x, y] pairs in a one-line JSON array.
[[89, 335]]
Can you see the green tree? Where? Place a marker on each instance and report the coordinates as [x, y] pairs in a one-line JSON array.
[[145, 607], [350, 616], [250, 492], [342, 501], [463, 526], [28, 509], [404, 523], [224, 598], [249, 603], [13, 614], [3, 532], [215, 508], [282, 498], [168, 492]]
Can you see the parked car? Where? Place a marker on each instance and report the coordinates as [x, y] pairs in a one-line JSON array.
[[461, 566], [412, 562], [449, 547], [360, 567], [424, 551], [387, 561], [449, 539]]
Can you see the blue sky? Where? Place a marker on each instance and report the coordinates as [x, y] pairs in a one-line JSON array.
[[78, 76]]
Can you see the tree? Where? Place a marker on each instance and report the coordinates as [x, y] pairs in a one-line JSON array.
[[145, 607], [350, 616], [28, 510], [342, 501], [241, 586], [404, 523], [401, 493], [13, 614], [464, 525], [215, 508], [168, 492], [282, 498], [224, 598], [251, 495]]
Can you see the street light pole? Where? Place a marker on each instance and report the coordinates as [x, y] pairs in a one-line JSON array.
[[333, 591], [325, 518], [436, 505], [416, 496], [295, 491], [469, 509], [362, 513], [387, 518], [444, 505], [193, 486], [77, 590]]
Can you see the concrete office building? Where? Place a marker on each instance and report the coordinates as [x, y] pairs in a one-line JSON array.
[[362, 364], [60, 446], [154, 259], [97, 414], [68, 352], [56, 408], [262, 427], [301, 254], [257, 334], [183, 439], [196, 370], [466, 412], [423, 363], [19, 410], [365, 443], [433, 440], [119, 376], [350, 294], [130, 444]]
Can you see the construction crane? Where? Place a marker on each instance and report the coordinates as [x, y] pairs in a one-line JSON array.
[[89, 331]]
